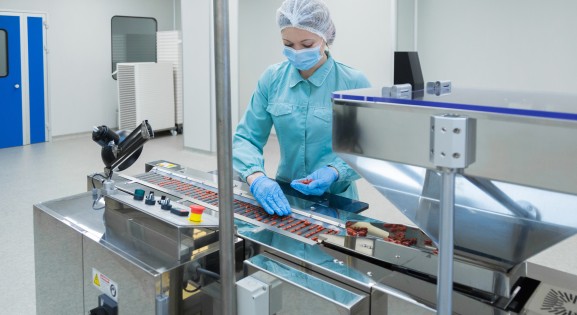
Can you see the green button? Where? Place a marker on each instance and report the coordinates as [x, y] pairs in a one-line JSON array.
[[138, 194]]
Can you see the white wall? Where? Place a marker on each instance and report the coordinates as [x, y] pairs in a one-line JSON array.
[[81, 92], [365, 40], [406, 25], [198, 72], [525, 45], [197, 60], [366, 37], [260, 44]]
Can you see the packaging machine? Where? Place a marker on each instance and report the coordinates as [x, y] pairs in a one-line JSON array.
[[135, 251]]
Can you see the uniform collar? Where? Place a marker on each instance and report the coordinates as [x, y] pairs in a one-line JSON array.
[[318, 76]]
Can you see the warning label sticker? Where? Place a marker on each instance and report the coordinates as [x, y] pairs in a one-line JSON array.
[[105, 284], [166, 165]]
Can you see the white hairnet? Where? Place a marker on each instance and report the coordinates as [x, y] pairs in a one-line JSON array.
[[309, 15]]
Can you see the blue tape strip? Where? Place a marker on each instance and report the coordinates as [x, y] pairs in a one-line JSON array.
[[478, 108], [353, 97]]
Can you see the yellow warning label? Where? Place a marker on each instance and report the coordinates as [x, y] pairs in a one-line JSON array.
[[105, 284], [96, 281]]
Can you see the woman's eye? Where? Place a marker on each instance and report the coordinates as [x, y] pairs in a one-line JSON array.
[[307, 46]]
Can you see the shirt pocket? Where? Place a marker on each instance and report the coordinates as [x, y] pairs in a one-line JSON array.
[[279, 109], [325, 115], [281, 116]]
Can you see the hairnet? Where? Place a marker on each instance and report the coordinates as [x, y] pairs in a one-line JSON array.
[[309, 15]]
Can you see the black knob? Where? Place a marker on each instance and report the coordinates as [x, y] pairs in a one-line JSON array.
[[150, 199], [165, 204]]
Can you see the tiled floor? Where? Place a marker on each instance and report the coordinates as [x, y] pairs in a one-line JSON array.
[[41, 172]]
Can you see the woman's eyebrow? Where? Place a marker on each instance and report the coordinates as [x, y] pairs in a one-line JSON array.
[[304, 41]]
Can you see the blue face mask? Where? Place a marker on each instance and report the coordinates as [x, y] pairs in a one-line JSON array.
[[303, 59]]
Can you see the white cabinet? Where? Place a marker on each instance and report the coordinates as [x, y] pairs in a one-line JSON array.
[[146, 92]]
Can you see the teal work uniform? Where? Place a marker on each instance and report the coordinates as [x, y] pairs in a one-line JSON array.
[[301, 112]]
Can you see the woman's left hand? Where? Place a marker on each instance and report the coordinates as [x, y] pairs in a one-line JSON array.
[[317, 182]]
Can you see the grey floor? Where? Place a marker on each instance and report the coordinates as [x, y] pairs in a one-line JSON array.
[[46, 171]]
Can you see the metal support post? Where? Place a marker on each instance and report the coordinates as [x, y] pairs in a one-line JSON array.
[[224, 151], [452, 150], [446, 229]]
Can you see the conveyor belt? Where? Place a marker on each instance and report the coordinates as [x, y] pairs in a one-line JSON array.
[[308, 229]]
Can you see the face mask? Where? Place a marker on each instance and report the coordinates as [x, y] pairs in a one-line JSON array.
[[303, 59]]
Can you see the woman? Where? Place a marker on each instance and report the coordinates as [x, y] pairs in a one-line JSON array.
[[295, 97]]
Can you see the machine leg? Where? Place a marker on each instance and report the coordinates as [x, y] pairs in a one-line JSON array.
[[175, 291]]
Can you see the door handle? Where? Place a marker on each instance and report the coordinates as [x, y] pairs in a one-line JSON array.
[[17, 86]]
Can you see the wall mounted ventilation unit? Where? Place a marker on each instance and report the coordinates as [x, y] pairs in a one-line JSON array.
[[146, 91]]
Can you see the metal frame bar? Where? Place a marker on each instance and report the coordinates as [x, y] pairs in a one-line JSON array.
[[224, 150]]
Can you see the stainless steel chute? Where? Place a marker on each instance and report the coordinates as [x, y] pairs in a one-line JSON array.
[[487, 228]]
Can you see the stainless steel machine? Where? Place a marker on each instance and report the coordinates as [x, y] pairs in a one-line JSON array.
[[135, 251]]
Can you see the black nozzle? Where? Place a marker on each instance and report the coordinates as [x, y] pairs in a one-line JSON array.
[[104, 135]]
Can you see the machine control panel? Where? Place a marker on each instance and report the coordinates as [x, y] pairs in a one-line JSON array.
[[162, 208]]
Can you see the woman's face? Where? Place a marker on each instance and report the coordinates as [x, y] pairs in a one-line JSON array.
[[298, 39]]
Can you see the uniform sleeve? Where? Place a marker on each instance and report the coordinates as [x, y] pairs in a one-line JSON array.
[[346, 173], [252, 132], [361, 82]]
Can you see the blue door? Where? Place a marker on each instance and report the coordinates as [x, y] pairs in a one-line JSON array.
[[22, 94], [36, 84], [11, 133]]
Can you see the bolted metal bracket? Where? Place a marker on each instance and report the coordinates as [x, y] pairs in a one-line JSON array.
[[452, 141], [403, 91], [439, 87]]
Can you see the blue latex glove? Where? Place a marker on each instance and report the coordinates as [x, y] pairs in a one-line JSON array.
[[268, 193], [322, 179]]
